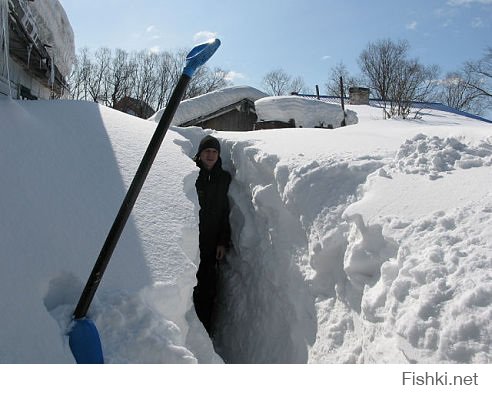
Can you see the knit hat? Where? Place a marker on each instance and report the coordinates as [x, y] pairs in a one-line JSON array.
[[208, 142]]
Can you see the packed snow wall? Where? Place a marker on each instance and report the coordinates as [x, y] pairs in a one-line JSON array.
[[288, 251]]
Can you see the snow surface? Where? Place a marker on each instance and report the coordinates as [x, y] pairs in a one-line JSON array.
[[370, 243]]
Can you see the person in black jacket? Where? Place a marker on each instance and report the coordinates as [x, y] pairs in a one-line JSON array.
[[212, 186]]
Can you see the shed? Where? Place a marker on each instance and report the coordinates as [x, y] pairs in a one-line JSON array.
[[228, 109], [240, 116]]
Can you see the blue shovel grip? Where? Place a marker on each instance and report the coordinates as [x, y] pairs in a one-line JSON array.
[[199, 55]]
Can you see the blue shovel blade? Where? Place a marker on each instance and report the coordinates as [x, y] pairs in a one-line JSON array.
[[85, 343], [199, 55]]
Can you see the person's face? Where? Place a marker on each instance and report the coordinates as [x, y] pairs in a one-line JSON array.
[[209, 157]]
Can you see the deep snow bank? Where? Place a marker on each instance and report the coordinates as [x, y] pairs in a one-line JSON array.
[[358, 245], [289, 241], [433, 300], [66, 168], [369, 243]]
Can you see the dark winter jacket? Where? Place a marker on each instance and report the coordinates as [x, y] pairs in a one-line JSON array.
[[212, 188]]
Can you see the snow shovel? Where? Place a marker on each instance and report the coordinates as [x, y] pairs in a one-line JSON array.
[[83, 335]]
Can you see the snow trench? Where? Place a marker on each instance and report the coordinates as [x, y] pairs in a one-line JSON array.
[[297, 262]]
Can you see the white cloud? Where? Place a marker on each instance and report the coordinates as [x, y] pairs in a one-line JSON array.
[[155, 49], [151, 29], [326, 57], [446, 15], [203, 36], [152, 33], [468, 2], [412, 25], [477, 23], [233, 76]]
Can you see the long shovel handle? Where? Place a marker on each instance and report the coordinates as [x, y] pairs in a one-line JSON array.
[[196, 58]]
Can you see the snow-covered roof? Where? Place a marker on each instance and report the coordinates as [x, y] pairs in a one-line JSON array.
[[46, 26], [305, 112], [54, 29], [209, 103]]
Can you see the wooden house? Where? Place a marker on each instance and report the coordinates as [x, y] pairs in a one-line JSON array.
[[228, 109], [239, 116]]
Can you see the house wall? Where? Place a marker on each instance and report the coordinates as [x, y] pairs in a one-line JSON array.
[[4, 86], [23, 79], [231, 121], [21, 83]]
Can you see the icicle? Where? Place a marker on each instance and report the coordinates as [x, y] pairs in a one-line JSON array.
[[4, 37], [29, 50], [50, 62], [52, 74]]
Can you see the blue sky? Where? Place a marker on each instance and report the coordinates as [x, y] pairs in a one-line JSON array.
[[305, 38]]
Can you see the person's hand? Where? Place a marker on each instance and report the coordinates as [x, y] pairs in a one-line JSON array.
[[221, 251]]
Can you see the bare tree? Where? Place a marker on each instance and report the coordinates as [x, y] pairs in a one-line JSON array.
[[145, 80], [480, 78], [470, 88], [298, 85], [457, 92], [333, 85], [79, 78], [414, 83], [483, 70], [380, 62], [207, 80], [277, 82], [99, 75], [168, 70], [148, 78], [120, 78], [394, 79]]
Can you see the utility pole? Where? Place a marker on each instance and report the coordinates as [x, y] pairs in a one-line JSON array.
[[344, 123]]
